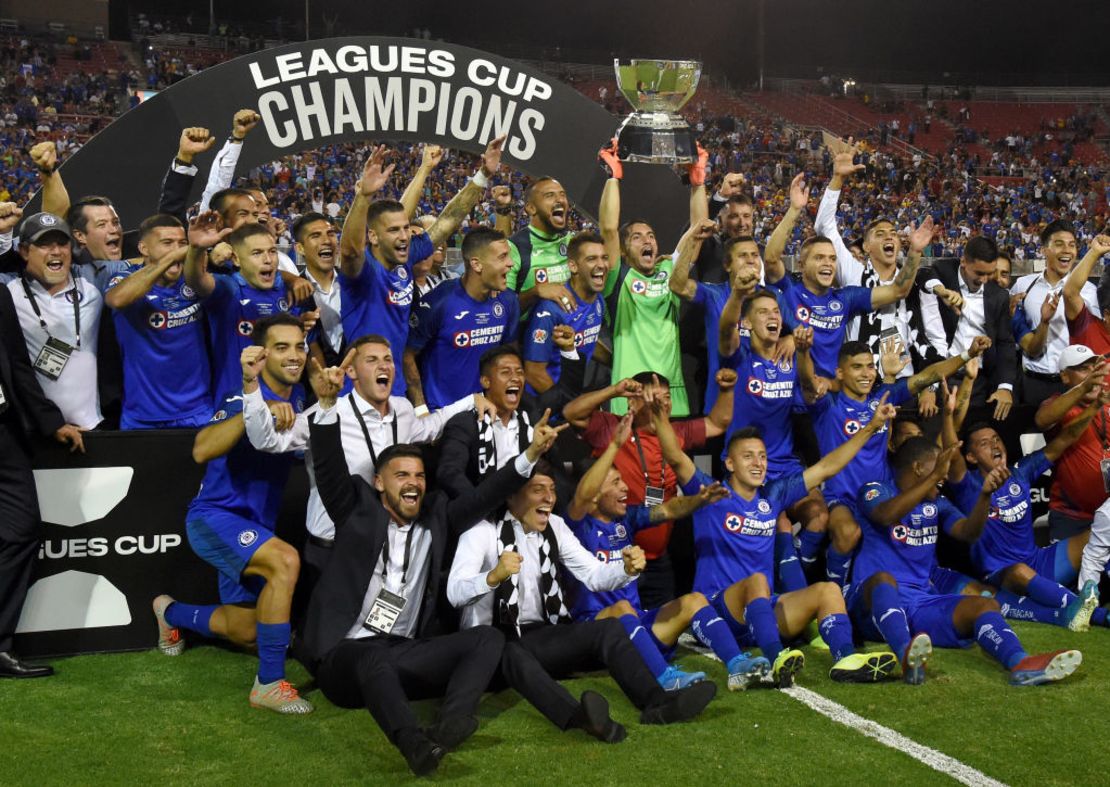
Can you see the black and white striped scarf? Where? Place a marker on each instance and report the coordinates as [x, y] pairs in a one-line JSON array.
[[487, 447], [507, 594]]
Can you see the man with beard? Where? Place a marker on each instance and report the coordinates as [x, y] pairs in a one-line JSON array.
[[589, 265], [459, 321], [1060, 248], [159, 325], [539, 250], [377, 288], [230, 523]]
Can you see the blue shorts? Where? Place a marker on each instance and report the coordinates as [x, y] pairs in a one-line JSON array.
[[1050, 562], [647, 620], [742, 631], [832, 501], [197, 421], [925, 613], [227, 542], [947, 582]]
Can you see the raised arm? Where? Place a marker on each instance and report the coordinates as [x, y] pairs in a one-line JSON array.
[[462, 203], [807, 372], [673, 454], [941, 370], [970, 527], [352, 241], [609, 211], [503, 210], [699, 205], [773, 267], [848, 269], [685, 505], [178, 181], [890, 512], [205, 231], [588, 489], [1073, 285], [835, 461], [719, 418], [55, 198], [689, 247], [1052, 412], [429, 160], [578, 410], [904, 279], [222, 172], [138, 284], [1070, 433], [728, 336]]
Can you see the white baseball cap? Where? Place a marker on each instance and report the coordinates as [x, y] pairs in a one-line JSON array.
[[1075, 355]]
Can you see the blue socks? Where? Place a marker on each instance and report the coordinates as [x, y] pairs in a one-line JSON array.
[[1017, 607], [641, 638], [1098, 618], [273, 641], [791, 576], [809, 544], [189, 616], [836, 630], [713, 632], [1045, 591], [998, 639], [837, 566], [889, 617], [760, 617]]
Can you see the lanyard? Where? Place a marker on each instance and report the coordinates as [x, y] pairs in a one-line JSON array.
[[38, 312], [366, 431], [385, 556], [643, 463]]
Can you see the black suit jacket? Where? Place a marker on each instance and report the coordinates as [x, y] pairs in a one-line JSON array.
[[1000, 361], [361, 525], [32, 411]]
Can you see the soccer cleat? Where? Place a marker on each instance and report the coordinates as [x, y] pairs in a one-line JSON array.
[[674, 678], [279, 696], [787, 664], [680, 705], [864, 667], [913, 660], [1078, 613], [745, 669], [170, 641], [816, 641], [1045, 668]]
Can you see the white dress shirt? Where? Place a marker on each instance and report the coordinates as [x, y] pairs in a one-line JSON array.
[[415, 581], [972, 321], [506, 440], [328, 302], [477, 555], [259, 424], [1037, 288], [75, 390]]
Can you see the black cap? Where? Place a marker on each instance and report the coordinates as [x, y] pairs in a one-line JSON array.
[[39, 224]]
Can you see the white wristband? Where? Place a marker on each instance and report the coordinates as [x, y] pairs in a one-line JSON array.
[[420, 410], [479, 179], [966, 356]]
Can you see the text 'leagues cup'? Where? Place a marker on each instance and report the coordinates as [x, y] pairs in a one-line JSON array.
[[655, 133]]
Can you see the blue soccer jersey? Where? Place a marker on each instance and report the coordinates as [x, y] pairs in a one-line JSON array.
[[907, 549], [836, 417], [766, 393], [244, 481], [605, 540], [380, 301], [1007, 537], [586, 320], [166, 375], [450, 333], [735, 538], [828, 315], [232, 310]]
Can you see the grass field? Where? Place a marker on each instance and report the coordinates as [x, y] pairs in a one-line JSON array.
[[147, 718]]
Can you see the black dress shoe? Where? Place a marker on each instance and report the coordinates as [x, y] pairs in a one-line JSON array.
[[450, 733], [593, 717], [12, 667], [420, 752]]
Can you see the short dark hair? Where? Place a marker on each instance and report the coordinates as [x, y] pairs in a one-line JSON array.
[[871, 225], [530, 192], [218, 201], [809, 243], [760, 292], [648, 378], [626, 229], [1004, 255], [301, 224], [732, 243], [974, 427], [1059, 225], [545, 467], [491, 356], [75, 216], [247, 231], [740, 199], [580, 240], [397, 451], [850, 349], [370, 338], [916, 449], [981, 249], [478, 239], [263, 326], [151, 223], [744, 433], [381, 206]]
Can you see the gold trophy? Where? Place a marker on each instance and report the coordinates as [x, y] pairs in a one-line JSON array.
[[655, 133]]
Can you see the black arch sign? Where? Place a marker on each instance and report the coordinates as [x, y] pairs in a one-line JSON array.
[[361, 88]]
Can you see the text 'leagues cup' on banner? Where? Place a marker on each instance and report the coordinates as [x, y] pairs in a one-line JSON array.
[[392, 88]]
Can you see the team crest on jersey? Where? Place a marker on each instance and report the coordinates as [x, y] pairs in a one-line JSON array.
[[283, 305], [299, 404], [871, 495], [661, 276], [639, 286], [873, 404], [220, 415], [402, 274], [248, 537], [755, 386], [851, 426], [462, 339], [413, 320], [1015, 489], [562, 249], [836, 306], [764, 507], [899, 533], [539, 336], [188, 291], [498, 310], [75, 296], [598, 307], [245, 327], [622, 532], [733, 522], [802, 313], [929, 510], [541, 276], [157, 320], [785, 365]]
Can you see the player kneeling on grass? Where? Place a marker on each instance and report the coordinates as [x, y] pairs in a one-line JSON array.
[[605, 524], [893, 595], [735, 550]]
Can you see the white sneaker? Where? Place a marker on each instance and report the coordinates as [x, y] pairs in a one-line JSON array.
[[170, 641], [279, 696]]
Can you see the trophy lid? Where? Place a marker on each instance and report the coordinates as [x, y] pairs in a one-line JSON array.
[[657, 85]]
